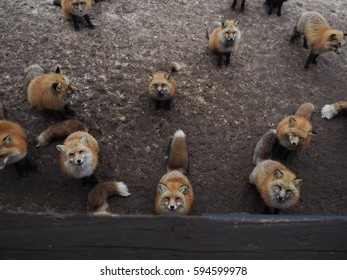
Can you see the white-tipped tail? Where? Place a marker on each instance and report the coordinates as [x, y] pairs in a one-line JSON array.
[[179, 134], [41, 141], [122, 189], [328, 111]]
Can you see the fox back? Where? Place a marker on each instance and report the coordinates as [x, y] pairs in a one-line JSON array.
[[174, 194], [276, 184], [225, 37], [79, 154], [13, 145], [46, 91], [320, 36]]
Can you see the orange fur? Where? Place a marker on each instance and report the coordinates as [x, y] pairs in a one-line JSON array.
[[13, 143], [46, 91], [218, 40], [277, 185], [295, 131], [162, 86], [69, 9], [174, 192], [79, 154], [97, 197], [60, 130]]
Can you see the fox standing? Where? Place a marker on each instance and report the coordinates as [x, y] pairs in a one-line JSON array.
[[174, 192], [79, 155], [318, 36], [162, 86], [13, 145], [47, 91], [75, 9], [224, 39]]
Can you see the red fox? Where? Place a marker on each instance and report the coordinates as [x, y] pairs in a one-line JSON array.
[[275, 4], [46, 91], [336, 109], [75, 9], [97, 197], [59, 130], [79, 156], [277, 185], [318, 35], [242, 9], [174, 192], [162, 86], [13, 145], [295, 132], [224, 39]]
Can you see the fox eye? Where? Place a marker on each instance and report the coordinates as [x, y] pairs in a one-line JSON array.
[[81, 151], [277, 188], [163, 85], [71, 155], [288, 192]]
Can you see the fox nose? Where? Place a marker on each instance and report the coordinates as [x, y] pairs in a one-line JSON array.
[[79, 161], [172, 207]]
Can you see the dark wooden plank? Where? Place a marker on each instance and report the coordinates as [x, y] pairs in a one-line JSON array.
[[33, 236]]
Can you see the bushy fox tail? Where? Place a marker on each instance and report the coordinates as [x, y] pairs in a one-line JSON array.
[[98, 196], [178, 154], [59, 130], [305, 110], [264, 147], [335, 109]]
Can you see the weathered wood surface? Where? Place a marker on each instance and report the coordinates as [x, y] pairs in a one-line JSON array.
[[34, 236]]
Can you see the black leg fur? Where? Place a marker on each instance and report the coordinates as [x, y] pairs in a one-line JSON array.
[[75, 22], [67, 112], [90, 25], [311, 59], [227, 59]]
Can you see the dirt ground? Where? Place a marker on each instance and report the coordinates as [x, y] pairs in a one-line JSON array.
[[223, 110]]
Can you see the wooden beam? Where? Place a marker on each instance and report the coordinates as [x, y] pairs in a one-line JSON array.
[[49, 236]]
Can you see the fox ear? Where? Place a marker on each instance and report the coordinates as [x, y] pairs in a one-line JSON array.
[[84, 140], [56, 86], [224, 24], [236, 23], [150, 76], [184, 189], [298, 182], [162, 188], [333, 37], [58, 71], [345, 35], [61, 148], [292, 122], [278, 174], [167, 77], [7, 140], [312, 132]]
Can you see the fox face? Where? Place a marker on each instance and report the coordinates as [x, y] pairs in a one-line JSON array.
[[335, 42], [79, 7], [283, 193], [77, 158], [172, 202], [229, 32], [61, 83], [298, 134], [8, 154], [160, 86]]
